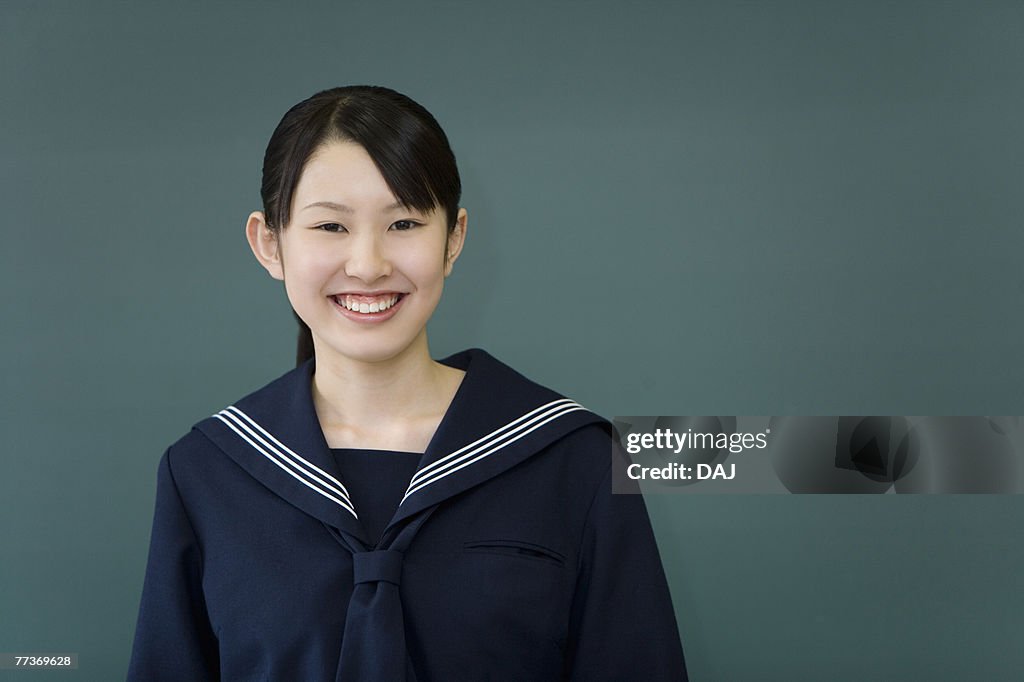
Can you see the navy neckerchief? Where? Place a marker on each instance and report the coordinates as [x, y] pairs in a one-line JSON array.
[[497, 419]]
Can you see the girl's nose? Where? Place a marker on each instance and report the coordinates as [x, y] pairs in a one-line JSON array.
[[367, 260]]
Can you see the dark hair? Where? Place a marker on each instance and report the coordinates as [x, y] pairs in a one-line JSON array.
[[404, 140]]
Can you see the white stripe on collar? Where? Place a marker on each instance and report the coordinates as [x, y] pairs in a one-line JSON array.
[[495, 440], [281, 455]]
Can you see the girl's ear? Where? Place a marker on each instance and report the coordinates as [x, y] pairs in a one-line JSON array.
[[264, 244], [456, 238]]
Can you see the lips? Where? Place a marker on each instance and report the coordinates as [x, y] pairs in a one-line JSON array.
[[368, 308], [367, 304]]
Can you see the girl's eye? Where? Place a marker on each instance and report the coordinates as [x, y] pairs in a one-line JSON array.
[[402, 225], [331, 227]]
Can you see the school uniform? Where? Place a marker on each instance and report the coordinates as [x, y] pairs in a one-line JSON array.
[[506, 557]]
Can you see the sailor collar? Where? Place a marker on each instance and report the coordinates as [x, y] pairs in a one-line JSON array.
[[497, 419]]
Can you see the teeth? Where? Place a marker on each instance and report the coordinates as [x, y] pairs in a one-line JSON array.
[[376, 306]]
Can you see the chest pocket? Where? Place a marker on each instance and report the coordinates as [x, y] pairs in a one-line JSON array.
[[516, 549]]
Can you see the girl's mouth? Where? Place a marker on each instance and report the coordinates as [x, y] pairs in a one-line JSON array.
[[364, 308]]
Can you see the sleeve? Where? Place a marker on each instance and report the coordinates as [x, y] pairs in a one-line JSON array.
[[173, 636], [622, 624]]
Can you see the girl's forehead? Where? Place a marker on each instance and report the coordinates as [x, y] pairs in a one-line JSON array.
[[343, 174], [340, 160]]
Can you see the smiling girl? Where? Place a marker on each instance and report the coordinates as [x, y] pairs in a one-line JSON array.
[[374, 514]]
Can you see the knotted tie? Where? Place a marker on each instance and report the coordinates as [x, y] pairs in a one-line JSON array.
[[373, 648]]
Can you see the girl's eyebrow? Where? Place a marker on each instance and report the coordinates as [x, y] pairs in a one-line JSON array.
[[348, 209]]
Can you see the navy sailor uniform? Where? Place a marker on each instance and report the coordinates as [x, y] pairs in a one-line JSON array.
[[508, 557]]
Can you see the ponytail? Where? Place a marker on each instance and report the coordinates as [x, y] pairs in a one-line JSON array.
[[304, 347]]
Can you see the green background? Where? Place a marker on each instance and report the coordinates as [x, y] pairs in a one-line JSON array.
[[675, 208]]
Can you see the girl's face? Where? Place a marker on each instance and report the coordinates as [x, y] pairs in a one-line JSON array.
[[364, 273]]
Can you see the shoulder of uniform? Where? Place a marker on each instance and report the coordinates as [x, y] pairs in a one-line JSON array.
[[192, 446], [590, 445]]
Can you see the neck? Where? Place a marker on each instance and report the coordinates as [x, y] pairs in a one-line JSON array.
[[378, 403]]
